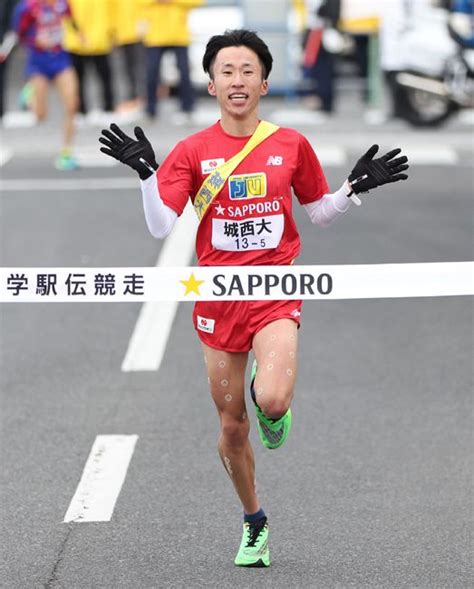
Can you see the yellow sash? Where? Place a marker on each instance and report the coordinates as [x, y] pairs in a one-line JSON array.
[[214, 183]]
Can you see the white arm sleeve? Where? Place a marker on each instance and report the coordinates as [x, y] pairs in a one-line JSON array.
[[159, 217], [331, 206]]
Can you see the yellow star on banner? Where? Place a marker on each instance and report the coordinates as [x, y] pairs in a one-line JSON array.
[[192, 285]]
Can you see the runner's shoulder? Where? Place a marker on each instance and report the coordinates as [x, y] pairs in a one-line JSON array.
[[290, 135], [197, 142], [203, 136]]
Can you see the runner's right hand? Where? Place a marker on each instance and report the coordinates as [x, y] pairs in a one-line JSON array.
[[138, 154]]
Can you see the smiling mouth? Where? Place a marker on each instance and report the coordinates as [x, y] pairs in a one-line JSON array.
[[238, 97]]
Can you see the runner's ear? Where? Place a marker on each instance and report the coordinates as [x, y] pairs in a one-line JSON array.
[[211, 88]]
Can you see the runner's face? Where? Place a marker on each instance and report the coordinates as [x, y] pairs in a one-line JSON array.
[[238, 81]]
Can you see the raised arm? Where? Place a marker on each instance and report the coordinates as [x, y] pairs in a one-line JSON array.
[[139, 155], [367, 174]]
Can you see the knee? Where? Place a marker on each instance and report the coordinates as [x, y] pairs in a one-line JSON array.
[[234, 431], [276, 405]]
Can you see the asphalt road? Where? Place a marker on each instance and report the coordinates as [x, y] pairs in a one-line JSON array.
[[374, 486]]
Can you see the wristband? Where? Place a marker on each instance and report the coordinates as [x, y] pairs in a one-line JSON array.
[[352, 196]]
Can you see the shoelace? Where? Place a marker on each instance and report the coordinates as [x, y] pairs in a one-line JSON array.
[[254, 531]]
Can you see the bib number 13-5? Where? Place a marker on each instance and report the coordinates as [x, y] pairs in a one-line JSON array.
[[257, 233]]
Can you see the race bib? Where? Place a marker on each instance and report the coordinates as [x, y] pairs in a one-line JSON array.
[[256, 233]]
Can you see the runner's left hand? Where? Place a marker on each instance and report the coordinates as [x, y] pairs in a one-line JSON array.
[[369, 173]]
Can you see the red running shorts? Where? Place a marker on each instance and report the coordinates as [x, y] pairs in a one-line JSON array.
[[230, 326]]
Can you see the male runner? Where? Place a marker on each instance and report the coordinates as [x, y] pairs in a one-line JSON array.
[[239, 63], [38, 24]]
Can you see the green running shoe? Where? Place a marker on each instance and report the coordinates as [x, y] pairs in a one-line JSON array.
[[66, 162], [254, 551], [272, 432], [25, 98]]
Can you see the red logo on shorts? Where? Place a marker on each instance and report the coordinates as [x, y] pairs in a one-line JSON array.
[[203, 321], [212, 164]]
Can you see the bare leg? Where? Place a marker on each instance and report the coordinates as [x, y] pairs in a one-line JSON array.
[[67, 85], [227, 381], [39, 104], [276, 347]]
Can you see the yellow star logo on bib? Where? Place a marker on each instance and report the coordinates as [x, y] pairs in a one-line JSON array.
[[192, 285]]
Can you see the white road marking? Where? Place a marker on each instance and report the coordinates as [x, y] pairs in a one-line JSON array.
[[91, 157], [429, 155], [300, 116], [88, 157], [5, 155], [150, 336], [205, 116], [19, 119], [330, 156], [102, 479], [68, 184]]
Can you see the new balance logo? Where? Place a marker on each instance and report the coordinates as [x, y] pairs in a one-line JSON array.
[[274, 160]]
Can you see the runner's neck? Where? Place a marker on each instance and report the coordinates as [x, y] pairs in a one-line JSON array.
[[239, 127]]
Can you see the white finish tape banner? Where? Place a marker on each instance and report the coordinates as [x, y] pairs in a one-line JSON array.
[[231, 283]]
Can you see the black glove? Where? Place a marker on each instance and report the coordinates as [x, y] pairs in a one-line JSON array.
[[369, 173], [139, 154]]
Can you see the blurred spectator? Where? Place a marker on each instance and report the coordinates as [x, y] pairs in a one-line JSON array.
[[301, 14], [7, 41], [319, 60], [38, 24], [361, 19], [361, 43], [396, 18], [167, 30], [91, 45], [128, 33]]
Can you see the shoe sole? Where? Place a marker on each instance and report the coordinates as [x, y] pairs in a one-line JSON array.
[[66, 168], [255, 565]]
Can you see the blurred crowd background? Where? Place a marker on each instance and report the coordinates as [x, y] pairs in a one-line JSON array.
[[124, 57]]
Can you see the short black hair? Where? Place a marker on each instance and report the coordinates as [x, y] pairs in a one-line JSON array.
[[237, 38]]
